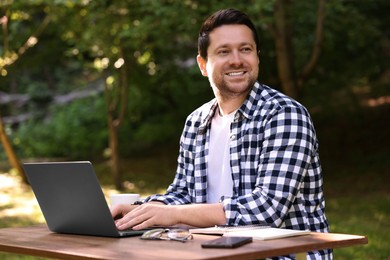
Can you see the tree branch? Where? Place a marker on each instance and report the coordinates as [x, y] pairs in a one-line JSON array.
[[10, 57], [33, 39], [4, 27], [317, 46]]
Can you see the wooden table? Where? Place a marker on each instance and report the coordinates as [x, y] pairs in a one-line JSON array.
[[39, 241]]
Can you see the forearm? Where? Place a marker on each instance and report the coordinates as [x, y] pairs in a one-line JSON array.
[[201, 215], [158, 214]]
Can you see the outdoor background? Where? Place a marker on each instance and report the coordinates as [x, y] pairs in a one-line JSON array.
[[113, 81]]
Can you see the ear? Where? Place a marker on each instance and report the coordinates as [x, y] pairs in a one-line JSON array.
[[202, 65]]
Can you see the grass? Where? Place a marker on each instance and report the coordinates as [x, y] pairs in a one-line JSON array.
[[355, 153], [354, 156], [359, 203], [369, 216]]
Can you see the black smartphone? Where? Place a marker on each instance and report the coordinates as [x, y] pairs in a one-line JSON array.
[[227, 242]]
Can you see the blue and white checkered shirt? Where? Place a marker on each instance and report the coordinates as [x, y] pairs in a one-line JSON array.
[[274, 162]]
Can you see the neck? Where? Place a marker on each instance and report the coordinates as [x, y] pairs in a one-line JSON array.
[[229, 104]]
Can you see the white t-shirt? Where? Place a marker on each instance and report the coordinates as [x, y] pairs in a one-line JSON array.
[[219, 176]]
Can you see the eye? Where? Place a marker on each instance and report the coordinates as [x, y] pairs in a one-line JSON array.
[[246, 49], [223, 52]]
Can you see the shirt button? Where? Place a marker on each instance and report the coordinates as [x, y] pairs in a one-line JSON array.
[[233, 137]]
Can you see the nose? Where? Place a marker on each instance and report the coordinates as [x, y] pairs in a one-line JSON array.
[[235, 58]]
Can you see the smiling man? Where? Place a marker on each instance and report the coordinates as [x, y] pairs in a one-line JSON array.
[[231, 65], [249, 156]]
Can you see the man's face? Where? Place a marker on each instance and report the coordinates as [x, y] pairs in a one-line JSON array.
[[232, 61]]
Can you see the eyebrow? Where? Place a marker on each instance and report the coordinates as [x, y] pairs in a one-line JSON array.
[[240, 45]]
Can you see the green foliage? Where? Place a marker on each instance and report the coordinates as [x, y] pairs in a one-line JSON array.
[[74, 131], [358, 46], [84, 39]]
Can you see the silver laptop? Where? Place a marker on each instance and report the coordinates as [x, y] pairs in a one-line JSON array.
[[71, 199]]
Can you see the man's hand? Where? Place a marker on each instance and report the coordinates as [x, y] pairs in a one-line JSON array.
[[148, 215], [158, 214], [120, 210]]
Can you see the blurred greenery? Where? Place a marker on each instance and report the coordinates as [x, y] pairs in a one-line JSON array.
[[348, 94], [80, 50]]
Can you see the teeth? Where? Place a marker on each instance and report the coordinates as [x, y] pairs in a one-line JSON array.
[[235, 73]]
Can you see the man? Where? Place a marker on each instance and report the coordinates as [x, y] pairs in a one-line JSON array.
[[249, 156]]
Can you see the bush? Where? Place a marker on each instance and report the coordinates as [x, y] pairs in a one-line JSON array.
[[77, 130]]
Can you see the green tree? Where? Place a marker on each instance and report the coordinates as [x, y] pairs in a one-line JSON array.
[[120, 39], [144, 52], [11, 54], [282, 31]]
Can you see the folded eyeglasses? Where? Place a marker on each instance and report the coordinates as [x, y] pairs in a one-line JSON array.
[[181, 235]]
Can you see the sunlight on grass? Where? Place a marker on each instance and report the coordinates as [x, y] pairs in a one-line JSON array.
[[18, 204], [18, 207], [17, 201]]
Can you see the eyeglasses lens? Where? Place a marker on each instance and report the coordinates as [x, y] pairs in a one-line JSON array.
[[153, 234], [179, 234], [173, 234]]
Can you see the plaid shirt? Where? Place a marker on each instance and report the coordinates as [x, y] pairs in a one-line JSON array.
[[274, 162]]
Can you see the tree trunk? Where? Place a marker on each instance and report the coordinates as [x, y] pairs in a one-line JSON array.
[[115, 158], [117, 106], [12, 157], [113, 125], [282, 31], [284, 50]]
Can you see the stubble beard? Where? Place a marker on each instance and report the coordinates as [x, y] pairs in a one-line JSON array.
[[228, 89]]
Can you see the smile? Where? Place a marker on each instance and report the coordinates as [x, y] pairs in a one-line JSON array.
[[239, 73]]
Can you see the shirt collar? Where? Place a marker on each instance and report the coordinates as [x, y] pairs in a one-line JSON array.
[[247, 108], [250, 104]]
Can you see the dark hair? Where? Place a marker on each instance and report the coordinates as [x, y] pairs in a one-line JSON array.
[[219, 18]]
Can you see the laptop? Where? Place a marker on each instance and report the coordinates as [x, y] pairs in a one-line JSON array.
[[71, 199]]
